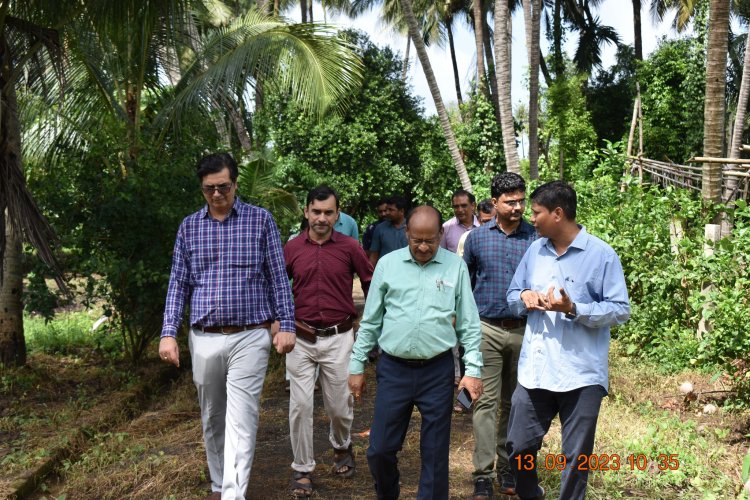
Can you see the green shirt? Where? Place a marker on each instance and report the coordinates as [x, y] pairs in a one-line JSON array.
[[410, 308]]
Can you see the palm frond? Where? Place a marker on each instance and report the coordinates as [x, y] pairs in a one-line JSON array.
[[317, 68]]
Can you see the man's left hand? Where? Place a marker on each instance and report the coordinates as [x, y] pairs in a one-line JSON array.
[[563, 304], [284, 342], [473, 385]]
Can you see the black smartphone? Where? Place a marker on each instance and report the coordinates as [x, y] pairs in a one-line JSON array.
[[464, 398]]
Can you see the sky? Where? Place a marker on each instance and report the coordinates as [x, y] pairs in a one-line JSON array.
[[615, 13]]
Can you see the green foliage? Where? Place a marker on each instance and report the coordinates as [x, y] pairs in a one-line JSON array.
[[668, 277], [381, 145], [367, 152], [70, 334], [672, 90], [117, 211], [610, 96], [567, 127]]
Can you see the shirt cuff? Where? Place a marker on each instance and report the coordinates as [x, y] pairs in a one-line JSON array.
[[356, 367], [583, 309], [474, 364], [169, 331], [287, 325]]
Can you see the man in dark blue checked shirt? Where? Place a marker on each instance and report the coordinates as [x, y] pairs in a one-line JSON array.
[[228, 262], [492, 253]]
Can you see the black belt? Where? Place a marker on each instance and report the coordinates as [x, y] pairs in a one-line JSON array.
[[418, 362], [505, 322], [328, 331], [228, 329]]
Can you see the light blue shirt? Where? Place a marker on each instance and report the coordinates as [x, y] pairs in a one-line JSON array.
[[347, 225], [561, 354], [410, 309]]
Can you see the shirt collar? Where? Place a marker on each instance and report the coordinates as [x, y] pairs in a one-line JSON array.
[[438, 258], [236, 206], [579, 242], [523, 228], [335, 236]]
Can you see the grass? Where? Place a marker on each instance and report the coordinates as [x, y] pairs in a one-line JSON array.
[[71, 334], [160, 454]]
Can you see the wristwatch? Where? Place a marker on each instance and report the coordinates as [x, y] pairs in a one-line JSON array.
[[573, 313]]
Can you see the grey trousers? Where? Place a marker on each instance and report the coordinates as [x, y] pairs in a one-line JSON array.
[[228, 371], [331, 354]]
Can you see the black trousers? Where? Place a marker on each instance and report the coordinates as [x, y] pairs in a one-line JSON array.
[[531, 414], [400, 388]]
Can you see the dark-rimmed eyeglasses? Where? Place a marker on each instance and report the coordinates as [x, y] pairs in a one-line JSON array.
[[221, 188], [430, 242], [515, 203]]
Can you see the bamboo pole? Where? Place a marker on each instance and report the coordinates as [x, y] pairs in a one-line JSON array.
[[712, 159]]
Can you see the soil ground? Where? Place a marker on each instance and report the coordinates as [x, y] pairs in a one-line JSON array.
[[159, 453]]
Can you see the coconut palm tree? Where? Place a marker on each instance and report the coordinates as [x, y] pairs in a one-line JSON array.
[[450, 138], [114, 54], [533, 11], [714, 105], [502, 72]]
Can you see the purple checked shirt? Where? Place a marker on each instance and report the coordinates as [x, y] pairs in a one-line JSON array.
[[232, 271]]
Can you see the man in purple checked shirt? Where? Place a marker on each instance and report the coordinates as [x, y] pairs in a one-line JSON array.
[[229, 263]]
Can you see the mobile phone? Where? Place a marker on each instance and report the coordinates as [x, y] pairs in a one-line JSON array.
[[464, 398]]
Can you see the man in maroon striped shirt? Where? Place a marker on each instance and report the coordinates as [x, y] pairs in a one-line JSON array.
[[322, 263]]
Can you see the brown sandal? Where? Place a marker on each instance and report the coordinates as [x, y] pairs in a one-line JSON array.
[[343, 458], [299, 489]]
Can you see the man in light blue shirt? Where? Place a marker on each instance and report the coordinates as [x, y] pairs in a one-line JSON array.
[[347, 225], [572, 286], [415, 294]]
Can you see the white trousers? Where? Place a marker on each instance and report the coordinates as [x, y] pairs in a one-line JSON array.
[[228, 371], [331, 354]]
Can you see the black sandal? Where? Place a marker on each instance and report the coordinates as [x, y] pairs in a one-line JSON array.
[[301, 490], [343, 458]]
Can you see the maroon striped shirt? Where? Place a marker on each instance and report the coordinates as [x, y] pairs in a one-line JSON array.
[[322, 277]]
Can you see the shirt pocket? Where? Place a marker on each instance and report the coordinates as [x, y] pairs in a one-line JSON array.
[[442, 295]]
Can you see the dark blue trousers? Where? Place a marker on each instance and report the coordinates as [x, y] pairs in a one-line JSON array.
[[531, 414], [400, 388]]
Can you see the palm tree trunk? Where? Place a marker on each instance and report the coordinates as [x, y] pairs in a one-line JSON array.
[[503, 85], [445, 123], [637, 39], [536, 15], [310, 11], [276, 8], [736, 145], [303, 9], [456, 78], [491, 77], [12, 341], [476, 9], [713, 111], [742, 100], [557, 63], [405, 67]]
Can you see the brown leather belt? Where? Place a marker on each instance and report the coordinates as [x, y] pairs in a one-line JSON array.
[[505, 322], [229, 329], [327, 331], [418, 362]]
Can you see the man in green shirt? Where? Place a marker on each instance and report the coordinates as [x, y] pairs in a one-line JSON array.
[[414, 296]]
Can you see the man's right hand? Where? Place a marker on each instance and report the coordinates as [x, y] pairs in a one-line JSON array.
[[357, 385], [168, 351], [534, 300]]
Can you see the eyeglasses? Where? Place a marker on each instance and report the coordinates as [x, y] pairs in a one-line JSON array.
[[221, 188], [515, 203], [430, 242]]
